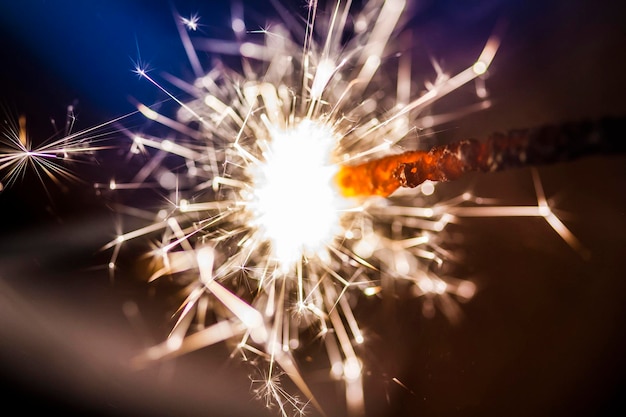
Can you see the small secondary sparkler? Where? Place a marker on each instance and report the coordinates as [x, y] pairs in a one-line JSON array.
[[49, 159]]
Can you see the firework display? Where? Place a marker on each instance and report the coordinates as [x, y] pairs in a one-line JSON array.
[[294, 179]]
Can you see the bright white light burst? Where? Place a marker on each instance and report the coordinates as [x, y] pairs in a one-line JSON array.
[[293, 199]]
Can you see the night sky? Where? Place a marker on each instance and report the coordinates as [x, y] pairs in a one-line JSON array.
[[543, 337]]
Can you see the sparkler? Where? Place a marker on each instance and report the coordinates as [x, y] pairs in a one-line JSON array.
[[269, 241], [47, 159]]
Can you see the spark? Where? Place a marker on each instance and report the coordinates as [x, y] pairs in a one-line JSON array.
[[257, 218], [191, 22], [269, 389]]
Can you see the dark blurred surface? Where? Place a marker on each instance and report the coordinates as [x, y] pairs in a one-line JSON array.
[[542, 337]]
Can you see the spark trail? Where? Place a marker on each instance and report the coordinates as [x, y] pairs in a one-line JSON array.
[[271, 251]]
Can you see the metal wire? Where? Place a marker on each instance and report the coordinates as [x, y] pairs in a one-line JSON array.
[[500, 151]]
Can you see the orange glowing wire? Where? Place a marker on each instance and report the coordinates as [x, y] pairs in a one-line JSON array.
[[517, 148]]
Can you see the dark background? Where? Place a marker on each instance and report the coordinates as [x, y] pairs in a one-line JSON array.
[[543, 336]]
